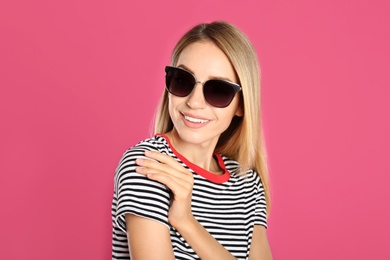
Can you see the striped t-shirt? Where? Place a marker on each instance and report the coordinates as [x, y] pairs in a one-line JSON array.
[[227, 206]]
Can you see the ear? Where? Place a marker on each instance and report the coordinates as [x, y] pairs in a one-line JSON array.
[[239, 111]]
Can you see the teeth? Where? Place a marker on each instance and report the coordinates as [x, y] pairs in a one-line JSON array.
[[195, 120]]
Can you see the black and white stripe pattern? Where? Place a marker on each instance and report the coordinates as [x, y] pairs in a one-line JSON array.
[[227, 210]]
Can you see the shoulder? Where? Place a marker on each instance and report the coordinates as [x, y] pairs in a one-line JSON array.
[[155, 143], [234, 168], [231, 165], [127, 165], [134, 193], [250, 175]]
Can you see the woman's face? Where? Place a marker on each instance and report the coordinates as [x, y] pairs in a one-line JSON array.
[[195, 121]]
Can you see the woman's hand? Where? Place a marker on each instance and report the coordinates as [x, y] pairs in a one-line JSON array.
[[168, 171]]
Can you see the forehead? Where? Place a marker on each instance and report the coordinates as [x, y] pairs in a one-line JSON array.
[[205, 60]]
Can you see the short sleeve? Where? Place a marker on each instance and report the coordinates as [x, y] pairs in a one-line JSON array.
[[261, 205], [136, 194]]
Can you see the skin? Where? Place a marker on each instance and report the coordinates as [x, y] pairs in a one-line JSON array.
[[149, 239]]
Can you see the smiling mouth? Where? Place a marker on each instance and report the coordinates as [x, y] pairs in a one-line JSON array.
[[195, 120]]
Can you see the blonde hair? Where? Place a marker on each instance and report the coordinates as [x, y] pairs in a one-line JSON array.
[[243, 141]]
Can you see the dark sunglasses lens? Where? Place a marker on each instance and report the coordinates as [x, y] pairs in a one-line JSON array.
[[218, 93], [179, 82]]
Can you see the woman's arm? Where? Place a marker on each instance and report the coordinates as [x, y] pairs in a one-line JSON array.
[[200, 240], [259, 247], [148, 239]]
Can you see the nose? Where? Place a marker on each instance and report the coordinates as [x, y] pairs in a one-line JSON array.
[[195, 99]]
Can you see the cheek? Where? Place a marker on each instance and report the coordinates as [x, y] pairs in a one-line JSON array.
[[234, 109], [173, 103], [173, 100], [170, 105], [225, 117]]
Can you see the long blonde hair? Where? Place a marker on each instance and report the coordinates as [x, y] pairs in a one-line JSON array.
[[243, 141]]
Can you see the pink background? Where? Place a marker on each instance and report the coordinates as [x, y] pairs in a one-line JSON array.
[[80, 81]]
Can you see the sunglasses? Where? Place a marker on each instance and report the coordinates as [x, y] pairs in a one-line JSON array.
[[218, 93]]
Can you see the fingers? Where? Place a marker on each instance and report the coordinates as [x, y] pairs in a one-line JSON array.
[[165, 159], [153, 170], [160, 163], [165, 169], [179, 183], [148, 167]]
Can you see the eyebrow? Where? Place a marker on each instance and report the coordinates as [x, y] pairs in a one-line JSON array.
[[213, 77]]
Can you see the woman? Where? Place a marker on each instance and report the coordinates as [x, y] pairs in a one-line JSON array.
[[199, 188]]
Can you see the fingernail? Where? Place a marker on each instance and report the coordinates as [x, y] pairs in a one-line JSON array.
[[139, 160]]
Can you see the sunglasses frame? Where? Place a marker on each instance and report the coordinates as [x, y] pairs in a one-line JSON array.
[[236, 87]]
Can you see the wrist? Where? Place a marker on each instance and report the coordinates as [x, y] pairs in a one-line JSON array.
[[185, 225]]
